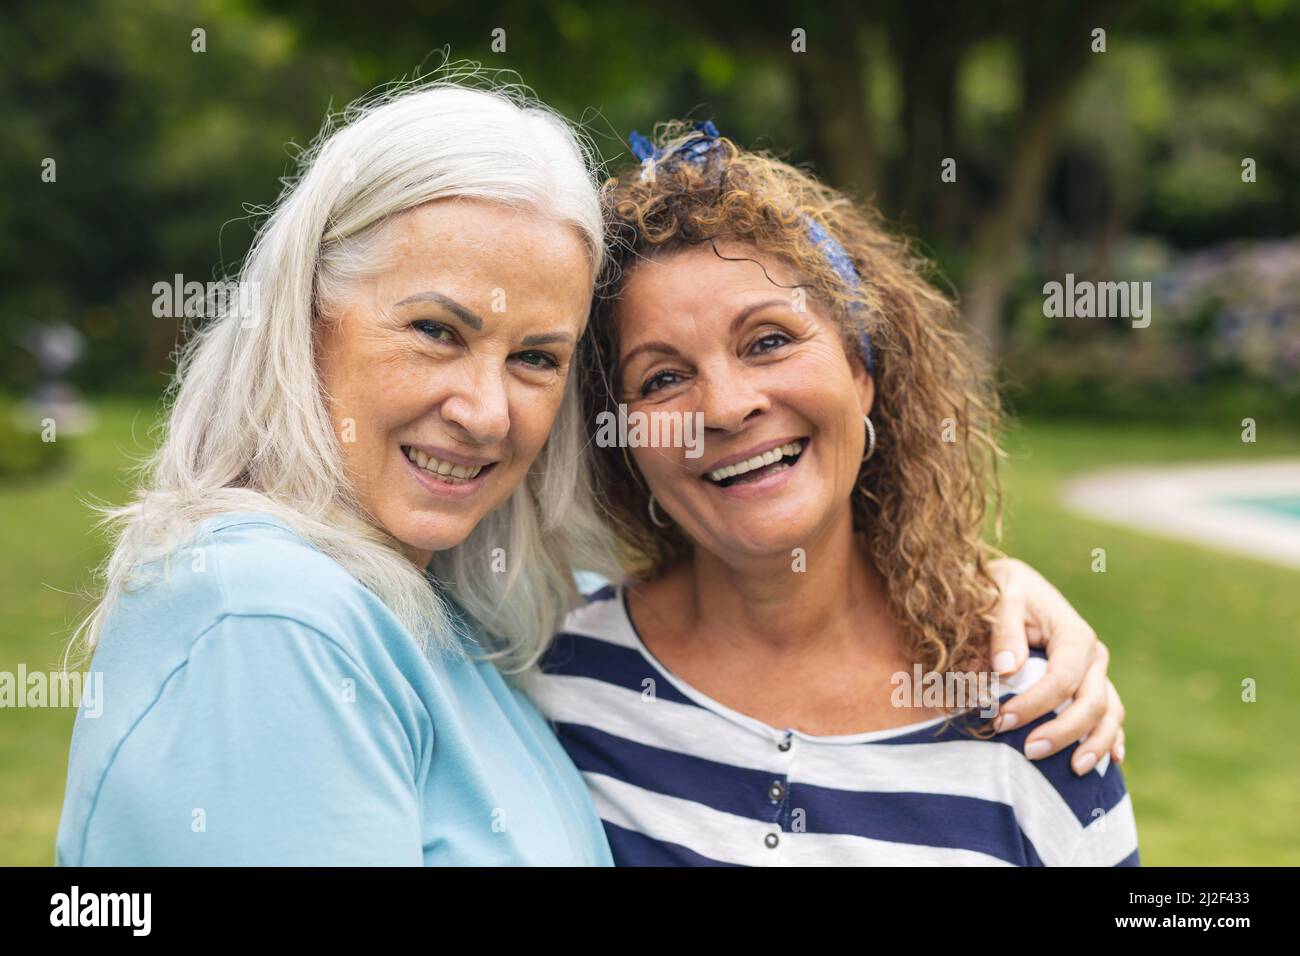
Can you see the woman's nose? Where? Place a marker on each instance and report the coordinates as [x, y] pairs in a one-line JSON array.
[[730, 395], [479, 405]]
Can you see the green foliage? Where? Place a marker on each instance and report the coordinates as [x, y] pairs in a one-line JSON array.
[[23, 452], [164, 154]]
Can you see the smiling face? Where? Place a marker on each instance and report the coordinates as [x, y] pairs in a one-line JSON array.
[[782, 401], [444, 372]]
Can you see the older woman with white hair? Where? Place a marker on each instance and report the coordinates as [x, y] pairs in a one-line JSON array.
[[398, 403], [367, 508]]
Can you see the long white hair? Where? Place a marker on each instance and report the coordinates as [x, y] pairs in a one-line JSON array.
[[248, 429]]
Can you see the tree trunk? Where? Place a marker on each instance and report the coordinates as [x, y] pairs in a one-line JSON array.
[[832, 90], [1055, 55]]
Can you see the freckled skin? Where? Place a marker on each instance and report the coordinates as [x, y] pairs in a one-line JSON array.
[[807, 386], [480, 393]]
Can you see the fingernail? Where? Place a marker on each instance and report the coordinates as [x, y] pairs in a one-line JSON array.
[[1085, 763], [1007, 721], [1004, 661], [1037, 748]]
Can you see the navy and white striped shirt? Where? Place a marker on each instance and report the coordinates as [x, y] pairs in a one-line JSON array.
[[679, 779]]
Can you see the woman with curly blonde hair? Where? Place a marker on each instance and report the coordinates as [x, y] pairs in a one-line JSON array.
[[762, 692]]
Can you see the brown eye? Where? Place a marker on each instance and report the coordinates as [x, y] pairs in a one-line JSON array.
[[659, 380]]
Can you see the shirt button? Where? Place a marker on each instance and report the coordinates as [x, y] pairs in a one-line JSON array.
[[776, 791], [771, 840]]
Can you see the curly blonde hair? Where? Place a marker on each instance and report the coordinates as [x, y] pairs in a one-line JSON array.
[[925, 491]]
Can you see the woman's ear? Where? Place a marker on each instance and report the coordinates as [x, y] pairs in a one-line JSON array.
[[864, 382]]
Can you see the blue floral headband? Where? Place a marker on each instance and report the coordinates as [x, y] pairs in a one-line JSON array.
[[695, 149]]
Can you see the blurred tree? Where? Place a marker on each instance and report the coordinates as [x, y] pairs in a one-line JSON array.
[[1058, 149]]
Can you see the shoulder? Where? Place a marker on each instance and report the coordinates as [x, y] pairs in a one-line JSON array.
[[595, 640], [268, 726], [595, 663], [264, 567], [1062, 818], [247, 595], [243, 645], [1094, 811], [244, 565], [600, 615], [248, 608]]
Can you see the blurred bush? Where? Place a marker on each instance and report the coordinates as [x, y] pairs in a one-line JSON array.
[[22, 452], [1223, 343], [1117, 164]]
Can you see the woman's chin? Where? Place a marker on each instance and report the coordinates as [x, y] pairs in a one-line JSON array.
[[770, 529], [429, 533], [762, 544]]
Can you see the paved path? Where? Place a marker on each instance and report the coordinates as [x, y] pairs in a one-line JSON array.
[[1222, 506]]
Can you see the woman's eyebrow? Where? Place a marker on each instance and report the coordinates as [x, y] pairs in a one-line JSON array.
[[736, 323], [749, 310], [648, 347], [549, 338], [451, 305]]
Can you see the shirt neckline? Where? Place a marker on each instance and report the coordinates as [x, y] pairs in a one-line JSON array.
[[744, 720]]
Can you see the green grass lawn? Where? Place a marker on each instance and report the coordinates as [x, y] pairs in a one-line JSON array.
[[49, 547], [1213, 779]]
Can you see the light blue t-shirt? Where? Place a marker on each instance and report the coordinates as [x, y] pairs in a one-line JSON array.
[[260, 706]]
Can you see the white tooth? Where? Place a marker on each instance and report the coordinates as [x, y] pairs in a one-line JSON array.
[[741, 467], [473, 472], [422, 459], [772, 456], [789, 448], [410, 453], [460, 471], [445, 467]]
